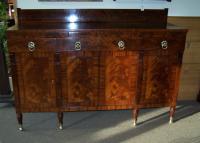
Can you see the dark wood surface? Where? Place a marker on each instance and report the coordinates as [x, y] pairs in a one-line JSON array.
[[5, 91], [198, 96], [104, 18], [58, 76]]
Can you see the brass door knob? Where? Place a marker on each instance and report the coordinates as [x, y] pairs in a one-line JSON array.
[[164, 44], [121, 45], [31, 46], [77, 45]]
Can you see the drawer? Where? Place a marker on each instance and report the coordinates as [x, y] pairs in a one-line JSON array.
[[119, 41], [32, 44], [79, 41], [104, 40], [78, 44], [169, 42]]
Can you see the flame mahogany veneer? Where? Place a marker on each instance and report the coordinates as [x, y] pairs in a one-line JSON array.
[[106, 60]]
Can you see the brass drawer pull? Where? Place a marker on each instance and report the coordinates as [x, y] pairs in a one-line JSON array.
[[31, 46], [164, 44], [121, 45], [77, 46]]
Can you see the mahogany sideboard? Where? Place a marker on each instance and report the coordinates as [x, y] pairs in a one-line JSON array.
[[81, 60]]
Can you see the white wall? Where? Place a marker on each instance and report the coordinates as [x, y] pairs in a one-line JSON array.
[[176, 7], [184, 8]]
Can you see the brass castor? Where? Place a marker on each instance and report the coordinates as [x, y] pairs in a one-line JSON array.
[[134, 123], [170, 120], [60, 126], [20, 128]]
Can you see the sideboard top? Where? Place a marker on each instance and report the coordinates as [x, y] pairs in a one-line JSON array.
[[92, 26], [91, 18]]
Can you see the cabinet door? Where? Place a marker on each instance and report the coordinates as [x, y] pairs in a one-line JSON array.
[[158, 79], [118, 77], [80, 78], [37, 81]]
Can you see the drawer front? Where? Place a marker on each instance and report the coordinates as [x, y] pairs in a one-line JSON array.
[[103, 40], [170, 42], [79, 41], [29, 45], [119, 41], [77, 44]]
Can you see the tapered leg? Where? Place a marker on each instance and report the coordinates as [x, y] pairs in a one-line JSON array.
[[171, 114], [19, 119], [135, 115], [60, 120]]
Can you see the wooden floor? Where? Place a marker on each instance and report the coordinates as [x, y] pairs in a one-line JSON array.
[[190, 76]]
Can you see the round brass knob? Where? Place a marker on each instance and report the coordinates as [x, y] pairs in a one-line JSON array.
[[121, 45], [77, 45], [31, 46], [164, 44]]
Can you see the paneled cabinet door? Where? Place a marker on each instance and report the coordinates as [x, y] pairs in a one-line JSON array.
[[158, 79], [79, 78], [37, 81], [118, 77]]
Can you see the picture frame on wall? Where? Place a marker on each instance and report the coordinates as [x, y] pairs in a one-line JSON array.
[[79, 0], [70, 0]]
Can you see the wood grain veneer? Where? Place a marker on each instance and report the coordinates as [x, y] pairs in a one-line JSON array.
[[101, 64]]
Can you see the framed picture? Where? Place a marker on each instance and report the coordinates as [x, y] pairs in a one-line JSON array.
[[70, 0]]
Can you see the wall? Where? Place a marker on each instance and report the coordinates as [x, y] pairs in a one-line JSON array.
[[190, 73], [176, 7]]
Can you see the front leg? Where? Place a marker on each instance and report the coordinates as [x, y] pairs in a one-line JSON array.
[[135, 115], [60, 120], [19, 119], [171, 114]]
